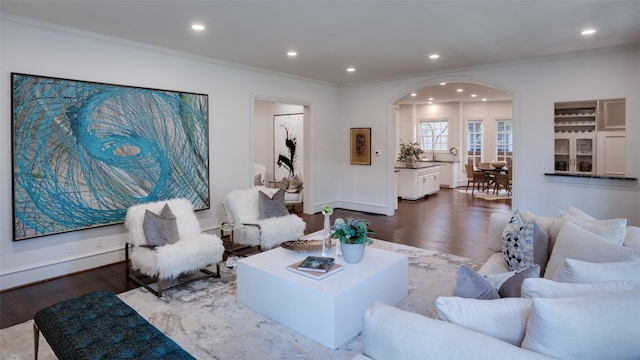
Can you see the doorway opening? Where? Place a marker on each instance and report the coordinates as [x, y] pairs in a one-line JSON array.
[[280, 129], [456, 121]]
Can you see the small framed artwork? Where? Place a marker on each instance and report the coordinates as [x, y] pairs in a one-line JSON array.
[[361, 146]]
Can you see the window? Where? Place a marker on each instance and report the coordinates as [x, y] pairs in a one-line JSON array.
[[474, 142], [434, 135], [504, 141]]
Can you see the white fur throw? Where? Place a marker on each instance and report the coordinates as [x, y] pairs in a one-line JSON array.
[[191, 252], [241, 207]]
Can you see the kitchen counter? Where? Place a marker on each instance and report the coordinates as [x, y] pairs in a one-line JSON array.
[[419, 165]]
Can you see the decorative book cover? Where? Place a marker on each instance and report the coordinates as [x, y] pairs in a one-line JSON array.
[[314, 274], [316, 263]]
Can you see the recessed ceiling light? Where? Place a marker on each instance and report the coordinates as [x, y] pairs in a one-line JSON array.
[[484, 99], [459, 90], [443, 83], [588, 31], [434, 56], [197, 27], [414, 94], [292, 53], [474, 95], [430, 99], [351, 69], [430, 102]]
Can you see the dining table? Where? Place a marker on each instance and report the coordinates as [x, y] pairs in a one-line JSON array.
[[492, 172]]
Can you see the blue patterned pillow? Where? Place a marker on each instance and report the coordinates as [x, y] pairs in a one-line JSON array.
[[524, 244]]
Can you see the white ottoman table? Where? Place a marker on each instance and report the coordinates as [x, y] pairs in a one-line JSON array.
[[329, 310]]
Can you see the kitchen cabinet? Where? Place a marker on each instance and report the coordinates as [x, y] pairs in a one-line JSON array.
[[611, 153], [575, 137], [574, 153], [414, 184], [449, 174], [611, 115]]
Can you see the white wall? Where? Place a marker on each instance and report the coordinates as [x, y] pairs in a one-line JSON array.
[[35, 49], [536, 86]]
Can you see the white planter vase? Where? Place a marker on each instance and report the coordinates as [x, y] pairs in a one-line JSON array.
[[352, 253]]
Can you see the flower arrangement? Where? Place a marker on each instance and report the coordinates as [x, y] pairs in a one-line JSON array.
[[352, 231], [410, 151]]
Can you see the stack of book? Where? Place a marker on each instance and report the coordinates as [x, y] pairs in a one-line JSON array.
[[315, 267]]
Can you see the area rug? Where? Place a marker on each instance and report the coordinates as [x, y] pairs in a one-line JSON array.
[[501, 195], [207, 321]]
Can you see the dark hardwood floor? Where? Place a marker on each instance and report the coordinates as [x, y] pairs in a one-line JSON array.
[[450, 222]]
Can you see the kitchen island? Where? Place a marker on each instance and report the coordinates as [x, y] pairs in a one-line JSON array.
[[418, 182]]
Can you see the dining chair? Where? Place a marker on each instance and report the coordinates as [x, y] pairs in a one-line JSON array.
[[503, 181], [476, 179]]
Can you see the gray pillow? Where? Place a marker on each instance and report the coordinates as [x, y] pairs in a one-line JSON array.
[[284, 183], [469, 284], [295, 184], [271, 207], [512, 287], [257, 180], [160, 229]]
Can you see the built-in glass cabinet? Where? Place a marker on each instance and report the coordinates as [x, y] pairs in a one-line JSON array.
[[577, 134]]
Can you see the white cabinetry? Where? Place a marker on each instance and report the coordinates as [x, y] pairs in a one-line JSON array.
[[575, 137], [611, 153], [574, 153], [416, 183], [449, 174]]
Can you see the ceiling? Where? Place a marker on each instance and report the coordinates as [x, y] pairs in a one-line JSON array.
[[381, 39]]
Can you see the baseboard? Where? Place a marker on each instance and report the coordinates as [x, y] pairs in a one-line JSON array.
[[33, 273], [370, 208]]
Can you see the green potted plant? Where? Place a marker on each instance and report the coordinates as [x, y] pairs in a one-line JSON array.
[[353, 236], [409, 153]]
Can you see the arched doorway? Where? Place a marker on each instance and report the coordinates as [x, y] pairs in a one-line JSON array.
[[457, 100]]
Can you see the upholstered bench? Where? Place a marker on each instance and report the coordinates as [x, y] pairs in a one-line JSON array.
[[101, 326]]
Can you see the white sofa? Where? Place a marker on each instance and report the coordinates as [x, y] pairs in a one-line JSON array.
[[391, 333]]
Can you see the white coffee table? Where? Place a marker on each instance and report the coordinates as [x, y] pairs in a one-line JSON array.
[[330, 310]]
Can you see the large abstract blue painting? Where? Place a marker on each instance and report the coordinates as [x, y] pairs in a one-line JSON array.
[[83, 152]]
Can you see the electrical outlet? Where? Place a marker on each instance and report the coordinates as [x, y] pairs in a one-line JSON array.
[[71, 248], [99, 243]]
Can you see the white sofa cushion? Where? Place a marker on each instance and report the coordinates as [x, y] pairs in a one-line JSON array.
[[632, 237], [544, 288], [497, 222], [574, 242], [494, 265], [603, 326], [544, 222], [391, 333], [504, 319], [576, 271]]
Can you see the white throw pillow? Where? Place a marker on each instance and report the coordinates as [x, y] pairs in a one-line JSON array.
[[544, 222], [612, 230], [543, 288], [576, 271], [603, 326], [504, 319], [574, 242], [632, 238]]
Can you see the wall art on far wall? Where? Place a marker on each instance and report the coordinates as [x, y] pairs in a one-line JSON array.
[[287, 145], [83, 152], [361, 146]]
